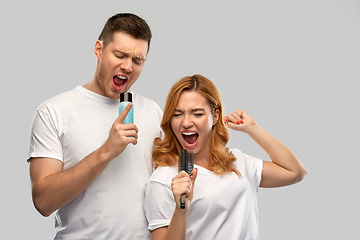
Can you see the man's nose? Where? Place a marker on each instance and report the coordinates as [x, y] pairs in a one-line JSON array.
[[126, 65]]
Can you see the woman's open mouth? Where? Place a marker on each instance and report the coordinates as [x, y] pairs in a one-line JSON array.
[[190, 138]]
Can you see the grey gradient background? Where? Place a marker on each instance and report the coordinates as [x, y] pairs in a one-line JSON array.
[[292, 65]]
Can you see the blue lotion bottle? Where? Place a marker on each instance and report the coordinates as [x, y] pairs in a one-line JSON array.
[[125, 99]]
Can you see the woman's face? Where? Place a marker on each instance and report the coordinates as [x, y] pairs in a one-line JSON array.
[[192, 122]]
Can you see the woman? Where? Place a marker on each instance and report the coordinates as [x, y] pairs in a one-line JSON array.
[[221, 191]]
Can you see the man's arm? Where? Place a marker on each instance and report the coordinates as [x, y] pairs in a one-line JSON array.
[[52, 188]]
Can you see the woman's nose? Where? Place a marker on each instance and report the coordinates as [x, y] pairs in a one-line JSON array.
[[187, 122]]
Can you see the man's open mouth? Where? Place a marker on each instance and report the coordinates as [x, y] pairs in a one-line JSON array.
[[190, 137], [119, 81]]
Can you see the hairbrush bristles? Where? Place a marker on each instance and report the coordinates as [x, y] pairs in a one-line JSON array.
[[186, 163], [190, 163]]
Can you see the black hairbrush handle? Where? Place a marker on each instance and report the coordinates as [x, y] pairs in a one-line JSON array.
[[182, 201]]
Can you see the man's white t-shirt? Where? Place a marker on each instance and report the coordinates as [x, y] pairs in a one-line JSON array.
[[223, 207], [69, 127]]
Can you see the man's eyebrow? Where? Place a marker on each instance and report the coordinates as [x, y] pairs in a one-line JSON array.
[[140, 57], [121, 52], [127, 53]]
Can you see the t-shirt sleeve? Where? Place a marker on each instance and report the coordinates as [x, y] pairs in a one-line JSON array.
[[160, 115], [252, 166], [159, 204], [45, 140]]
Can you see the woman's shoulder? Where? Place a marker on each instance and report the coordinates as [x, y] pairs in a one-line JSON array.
[[164, 174], [245, 161], [251, 165], [240, 156]]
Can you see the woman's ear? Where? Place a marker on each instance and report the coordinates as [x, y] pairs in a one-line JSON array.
[[99, 45], [216, 116]]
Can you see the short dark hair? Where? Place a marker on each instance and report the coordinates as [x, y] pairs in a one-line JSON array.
[[127, 23]]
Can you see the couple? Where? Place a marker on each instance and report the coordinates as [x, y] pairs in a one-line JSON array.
[[90, 169]]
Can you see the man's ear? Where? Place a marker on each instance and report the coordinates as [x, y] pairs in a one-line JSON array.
[[98, 48]]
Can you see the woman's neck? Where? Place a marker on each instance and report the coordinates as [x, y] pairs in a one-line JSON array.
[[202, 159]]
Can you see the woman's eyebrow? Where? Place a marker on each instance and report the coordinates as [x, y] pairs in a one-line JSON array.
[[198, 110], [192, 110]]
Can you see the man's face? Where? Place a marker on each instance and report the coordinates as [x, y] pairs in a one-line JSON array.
[[119, 64]]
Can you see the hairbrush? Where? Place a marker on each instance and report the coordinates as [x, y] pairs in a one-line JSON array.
[[186, 163]]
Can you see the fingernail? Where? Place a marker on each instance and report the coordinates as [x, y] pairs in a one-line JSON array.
[[237, 122], [226, 120], [241, 121]]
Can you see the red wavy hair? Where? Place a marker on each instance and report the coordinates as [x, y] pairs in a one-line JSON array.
[[168, 149]]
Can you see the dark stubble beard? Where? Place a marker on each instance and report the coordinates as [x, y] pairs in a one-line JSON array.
[[100, 76]]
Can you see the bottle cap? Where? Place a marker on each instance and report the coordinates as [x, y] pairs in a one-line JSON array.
[[125, 97]]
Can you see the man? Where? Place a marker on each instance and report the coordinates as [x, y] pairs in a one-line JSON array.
[[86, 166]]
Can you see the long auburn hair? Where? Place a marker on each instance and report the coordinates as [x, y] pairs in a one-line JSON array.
[[168, 149]]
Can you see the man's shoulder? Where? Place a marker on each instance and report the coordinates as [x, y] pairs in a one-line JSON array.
[[143, 100], [147, 106], [59, 100], [61, 96]]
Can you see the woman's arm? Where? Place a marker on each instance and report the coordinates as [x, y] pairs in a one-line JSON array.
[[285, 168], [182, 183]]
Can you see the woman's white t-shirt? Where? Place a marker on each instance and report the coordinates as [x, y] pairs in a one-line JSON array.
[[223, 207]]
